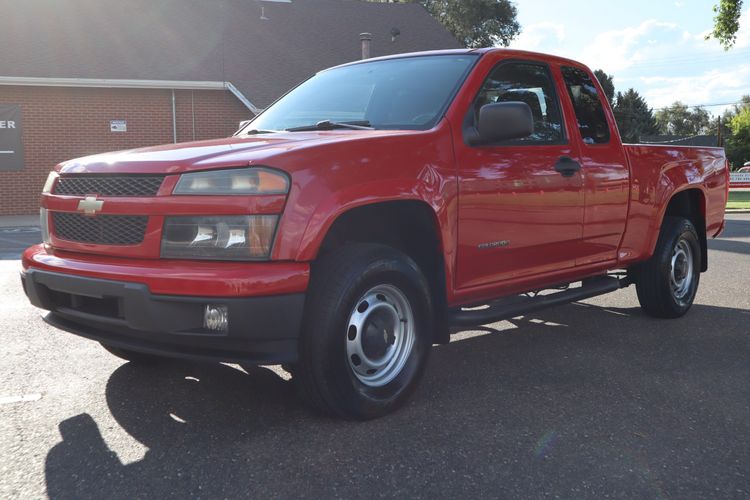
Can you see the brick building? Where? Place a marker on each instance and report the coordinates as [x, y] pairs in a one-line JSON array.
[[87, 76]]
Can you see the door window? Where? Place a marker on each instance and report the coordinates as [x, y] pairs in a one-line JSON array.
[[588, 106], [529, 83]]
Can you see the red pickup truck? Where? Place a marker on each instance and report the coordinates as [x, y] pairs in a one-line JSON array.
[[346, 229]]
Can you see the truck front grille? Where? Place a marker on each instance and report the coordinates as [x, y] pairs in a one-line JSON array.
[[100, 229], [106, 185]]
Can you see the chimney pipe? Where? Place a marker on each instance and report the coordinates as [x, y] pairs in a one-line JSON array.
[[365, 38]]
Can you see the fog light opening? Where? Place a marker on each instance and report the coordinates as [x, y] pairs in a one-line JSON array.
[[216, 318]]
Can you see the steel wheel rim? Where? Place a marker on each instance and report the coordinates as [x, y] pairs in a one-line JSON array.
[[380, 335], [681, 271]]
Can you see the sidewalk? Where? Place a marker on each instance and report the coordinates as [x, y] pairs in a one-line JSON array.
[[19, 221]]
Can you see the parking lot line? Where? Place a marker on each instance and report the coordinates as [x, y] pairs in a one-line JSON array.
[[20, 399]]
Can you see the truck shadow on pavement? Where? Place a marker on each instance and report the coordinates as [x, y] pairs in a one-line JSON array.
[[576, 401]]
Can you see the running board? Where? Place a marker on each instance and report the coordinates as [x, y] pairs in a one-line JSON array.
[[522, 304]]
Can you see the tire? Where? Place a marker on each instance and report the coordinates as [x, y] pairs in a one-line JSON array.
[[132, 356], [667, 283], [346, 367]]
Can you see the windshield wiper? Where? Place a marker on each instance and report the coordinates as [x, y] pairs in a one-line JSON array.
[[329, 125], [255, 131]]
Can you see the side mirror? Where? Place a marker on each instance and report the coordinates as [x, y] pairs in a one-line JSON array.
[[242, 125], [502, 121]]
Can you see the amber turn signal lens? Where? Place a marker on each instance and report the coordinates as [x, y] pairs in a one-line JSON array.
[[236, 181]]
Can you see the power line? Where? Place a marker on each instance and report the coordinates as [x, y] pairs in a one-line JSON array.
[[715, 105], [630, 113], [686, 60]]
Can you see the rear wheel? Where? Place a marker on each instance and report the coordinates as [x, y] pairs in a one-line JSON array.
[[132, 356], [367, 332], [668, 282]]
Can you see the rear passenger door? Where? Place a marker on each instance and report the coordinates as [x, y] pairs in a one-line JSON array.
[[520, 202], [604, 168]]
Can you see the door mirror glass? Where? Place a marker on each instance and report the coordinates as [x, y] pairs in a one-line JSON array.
[[502, 121]]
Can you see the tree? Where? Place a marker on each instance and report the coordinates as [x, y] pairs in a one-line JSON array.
[[737, 108], [738, 146], [678, 119], [475, 23], [728, 116], [634, 117], [726, 22], [607, 84]]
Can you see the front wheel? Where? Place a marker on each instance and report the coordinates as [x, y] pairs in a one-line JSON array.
[[668, 282], [367, 332]]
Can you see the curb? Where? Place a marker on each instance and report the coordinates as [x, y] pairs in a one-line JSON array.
[[737, 211]]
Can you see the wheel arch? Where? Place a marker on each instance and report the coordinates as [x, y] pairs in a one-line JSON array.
[[412, 226], [689, 203]]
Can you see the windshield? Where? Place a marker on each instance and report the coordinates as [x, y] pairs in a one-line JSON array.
[[405, 93]]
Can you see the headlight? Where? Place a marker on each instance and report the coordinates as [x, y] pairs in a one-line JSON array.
[[51, 178], [254, 180], [230, 237]]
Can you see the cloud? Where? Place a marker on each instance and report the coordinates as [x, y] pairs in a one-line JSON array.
[[541, 34], [743, 35], [711, 87], [617, 50], [664, 60]]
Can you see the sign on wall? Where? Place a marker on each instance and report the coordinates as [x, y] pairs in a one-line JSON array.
[[118, 125], [11, 140]]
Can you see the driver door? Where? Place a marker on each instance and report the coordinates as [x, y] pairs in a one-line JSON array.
[[521, 202]]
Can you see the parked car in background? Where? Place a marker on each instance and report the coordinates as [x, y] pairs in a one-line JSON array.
[[745, 168], [347, 227]]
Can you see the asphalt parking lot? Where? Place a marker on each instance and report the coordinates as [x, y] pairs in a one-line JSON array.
[[586, 400]]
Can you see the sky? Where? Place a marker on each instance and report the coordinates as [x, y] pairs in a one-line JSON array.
[[655, 46]]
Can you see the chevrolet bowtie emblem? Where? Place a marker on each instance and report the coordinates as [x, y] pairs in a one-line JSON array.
[[90, 205]]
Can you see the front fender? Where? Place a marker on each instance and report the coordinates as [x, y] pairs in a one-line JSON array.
[[332, 179]]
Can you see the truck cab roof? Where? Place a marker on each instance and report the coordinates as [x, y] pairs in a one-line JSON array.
[[509, 53]]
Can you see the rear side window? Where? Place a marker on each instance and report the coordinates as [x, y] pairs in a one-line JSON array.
[[529, 83], [588, 106]]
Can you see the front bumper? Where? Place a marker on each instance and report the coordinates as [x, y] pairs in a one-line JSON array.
[[124, 314]]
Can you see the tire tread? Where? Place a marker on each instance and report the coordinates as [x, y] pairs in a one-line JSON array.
[[332, 273], [653, 296]]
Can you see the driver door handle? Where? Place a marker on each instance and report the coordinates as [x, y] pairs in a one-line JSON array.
[[567, 166]]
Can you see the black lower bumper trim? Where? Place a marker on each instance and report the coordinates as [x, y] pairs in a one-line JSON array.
[[259, 352], [262, 330]]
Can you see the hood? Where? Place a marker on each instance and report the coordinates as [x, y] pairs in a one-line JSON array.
[[219, 153]]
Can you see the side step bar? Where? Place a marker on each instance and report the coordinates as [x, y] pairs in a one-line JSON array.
[[521, 304]]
